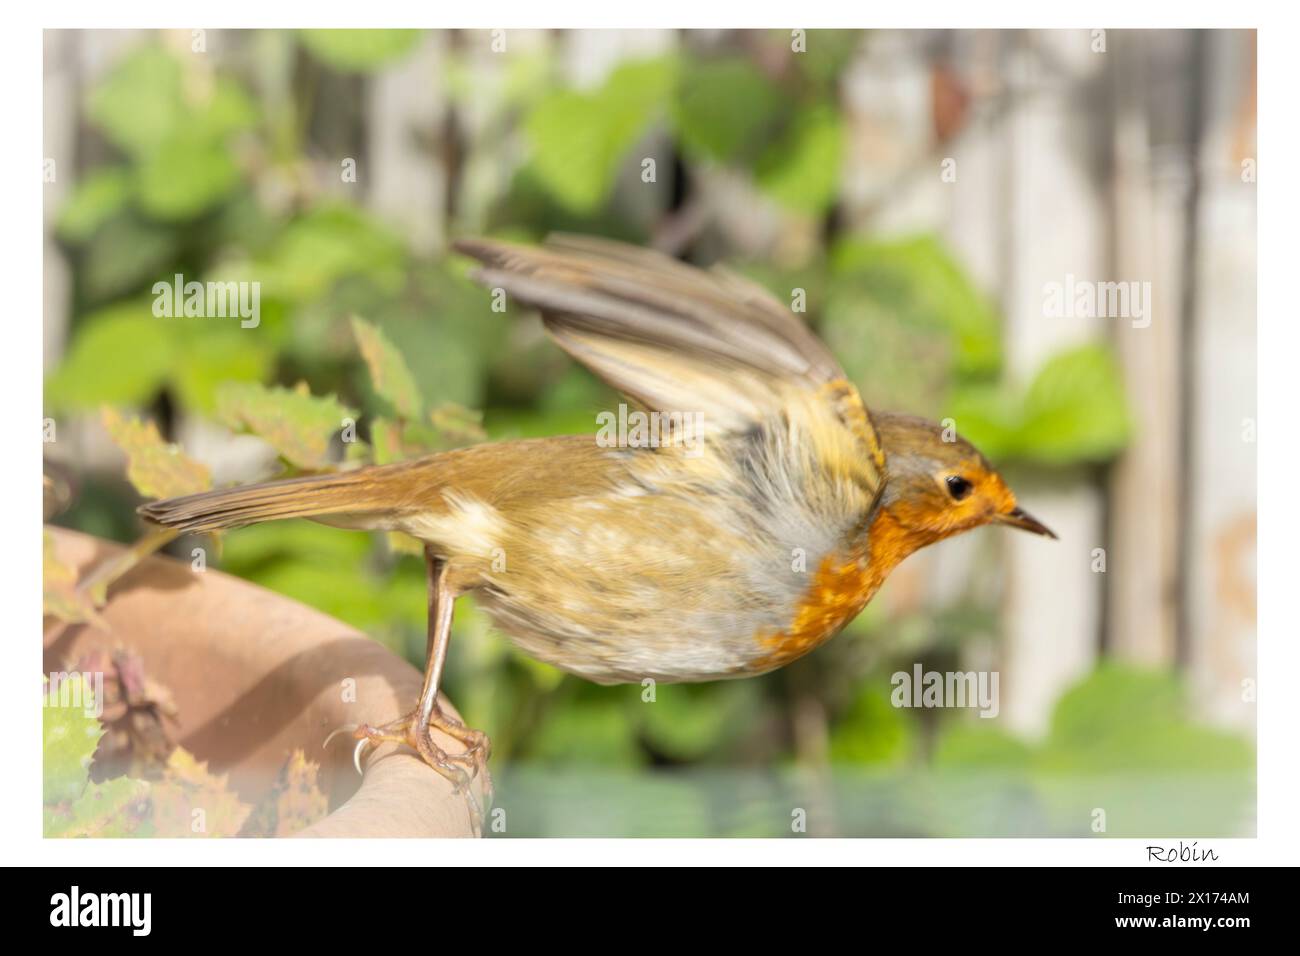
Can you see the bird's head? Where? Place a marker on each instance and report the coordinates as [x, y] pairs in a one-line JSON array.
[[940, 485]]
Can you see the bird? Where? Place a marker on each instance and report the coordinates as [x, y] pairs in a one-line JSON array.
[[754, 517]]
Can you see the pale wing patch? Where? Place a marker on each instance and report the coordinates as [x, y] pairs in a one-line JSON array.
[[469, 526]]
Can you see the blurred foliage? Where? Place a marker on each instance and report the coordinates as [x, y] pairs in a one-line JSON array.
[[156, 469], [226, 168], [360, 50], [580, 140], [73, 805], [1120, 742], [297, 424], [1073, 410], [182, 799], [61, 597]]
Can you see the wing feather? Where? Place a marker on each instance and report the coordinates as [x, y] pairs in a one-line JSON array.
[[672, 336]]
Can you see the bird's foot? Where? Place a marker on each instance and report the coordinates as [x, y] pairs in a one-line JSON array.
[[459, 768]]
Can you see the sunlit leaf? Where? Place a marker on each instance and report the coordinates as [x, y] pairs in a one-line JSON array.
[[120, 356], [1073, 411], [1075, 408], [157, 469], [387, 441], [294, 422], [71, 732], [389, 375], [580, 139], [145, 101], [139, 104], [184, 176], [873, 731], [296, 801], [802, 169], [190, 800]]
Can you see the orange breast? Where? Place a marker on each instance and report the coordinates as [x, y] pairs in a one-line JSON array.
[[840, 589]]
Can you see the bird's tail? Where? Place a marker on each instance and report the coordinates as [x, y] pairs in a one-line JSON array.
[[361, 497]]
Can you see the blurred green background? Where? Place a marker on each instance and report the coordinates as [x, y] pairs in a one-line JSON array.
[[232, 162]]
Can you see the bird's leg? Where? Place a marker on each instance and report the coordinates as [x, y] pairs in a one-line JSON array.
[[415, 729]]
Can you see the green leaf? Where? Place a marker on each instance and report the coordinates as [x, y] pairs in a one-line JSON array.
[[145, 102], [94, 200], [211, 357], [1073, 411], [873, 731], [688, 721], [1124, 718], [387, 441], [115, 808], [391, 379], [125, 253], [224, 109], [723, 108], [119, 356], [802, 169], [918, 276], [71, 731], [294, 422], [579, 140], [906, 321], [176, 127], [139, 104], [359, 50], [328, 243], [154, 467], [1075, 408], [185, 176]]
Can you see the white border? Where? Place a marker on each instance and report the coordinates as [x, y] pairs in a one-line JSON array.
[[1279, 214]]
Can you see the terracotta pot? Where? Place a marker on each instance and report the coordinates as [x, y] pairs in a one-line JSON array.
[[255, 676]]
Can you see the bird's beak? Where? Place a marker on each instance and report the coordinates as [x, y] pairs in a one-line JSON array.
[[1022, 519]]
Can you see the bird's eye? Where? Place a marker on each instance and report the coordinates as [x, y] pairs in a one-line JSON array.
[[958, 487]]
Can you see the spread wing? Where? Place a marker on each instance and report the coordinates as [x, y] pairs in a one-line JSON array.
[[678, 338]]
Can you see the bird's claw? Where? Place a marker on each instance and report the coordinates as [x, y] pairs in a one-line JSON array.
[[357, 752], [363, 734], [460, 769]]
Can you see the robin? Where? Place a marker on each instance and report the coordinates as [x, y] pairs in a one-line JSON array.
[[753, 517]]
